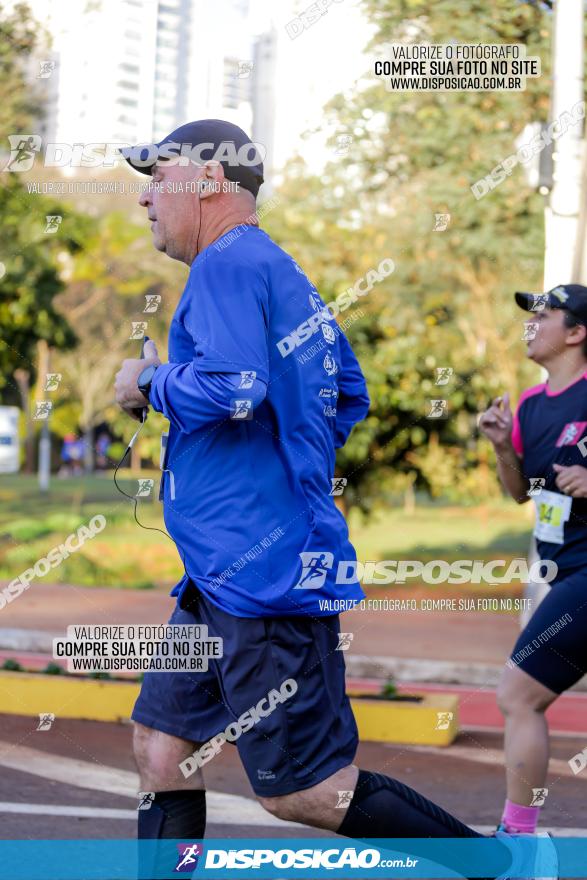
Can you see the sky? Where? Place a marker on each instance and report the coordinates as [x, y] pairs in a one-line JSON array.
[[325, 59]]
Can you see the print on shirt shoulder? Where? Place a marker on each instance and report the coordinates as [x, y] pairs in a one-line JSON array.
[[571, 434]]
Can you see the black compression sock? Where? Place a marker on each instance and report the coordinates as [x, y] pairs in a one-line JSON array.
[[173, 815], [384, 807]]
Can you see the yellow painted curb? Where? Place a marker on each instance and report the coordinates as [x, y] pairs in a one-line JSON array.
[[25, 693], [432, 722]]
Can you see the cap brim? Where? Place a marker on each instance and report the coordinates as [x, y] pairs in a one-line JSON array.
[[525, 300], [127, 152], [250, 181]]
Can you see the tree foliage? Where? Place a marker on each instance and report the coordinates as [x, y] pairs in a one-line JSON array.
[[449, 302], [30, 257]]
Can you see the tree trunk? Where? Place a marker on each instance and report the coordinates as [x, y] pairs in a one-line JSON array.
[[410, 498], [89, 456], [23, 381], [43, 367]]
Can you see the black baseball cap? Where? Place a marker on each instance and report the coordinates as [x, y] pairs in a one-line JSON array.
[[202, 140], [571, 297]]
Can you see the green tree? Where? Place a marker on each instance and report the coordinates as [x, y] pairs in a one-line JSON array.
[[449, 302], [30, 272], [19, 37], [32, 279]]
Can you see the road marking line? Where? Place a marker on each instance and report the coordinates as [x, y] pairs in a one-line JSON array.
[[100, 777], [57, 810], [495, 757], [131, 815], [488, 728]]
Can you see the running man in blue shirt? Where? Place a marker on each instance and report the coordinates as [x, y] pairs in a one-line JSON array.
[[544, 444], [248, 503]]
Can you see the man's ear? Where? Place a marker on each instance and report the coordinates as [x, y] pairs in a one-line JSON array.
[[211, 180]]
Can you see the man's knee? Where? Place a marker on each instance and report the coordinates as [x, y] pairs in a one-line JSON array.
[[159, 757], [314, 805], [144, 742], [288, 807]]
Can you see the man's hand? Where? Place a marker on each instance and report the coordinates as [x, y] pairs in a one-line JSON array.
[[128, 396], [571, 480], [497, 421]]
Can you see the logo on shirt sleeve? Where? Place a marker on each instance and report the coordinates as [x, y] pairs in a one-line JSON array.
[[330, 365], [315, 300], [571, 434], [328, 333]]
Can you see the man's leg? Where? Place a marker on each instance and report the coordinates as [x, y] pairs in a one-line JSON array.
[[298, 754], [523, 701], [189, 709], [380, 807], [178, 810]]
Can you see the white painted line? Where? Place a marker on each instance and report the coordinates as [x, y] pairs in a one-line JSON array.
[[131, 815], [213, 814], [78, 812], [487, 728], [495, 757], [69, 771], [100, 777]]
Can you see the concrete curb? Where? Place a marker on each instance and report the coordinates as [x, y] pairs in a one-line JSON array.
[[33, 640], [358, 665], [483, 675], [413, 670]]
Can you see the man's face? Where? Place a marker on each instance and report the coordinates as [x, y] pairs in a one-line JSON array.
[[551, 338], [174, 214]]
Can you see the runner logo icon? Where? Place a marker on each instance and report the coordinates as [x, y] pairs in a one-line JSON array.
[[315, 567], [188, 855], [539, 795]]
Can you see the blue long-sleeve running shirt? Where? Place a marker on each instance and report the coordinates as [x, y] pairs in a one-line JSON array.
[[260, 389]]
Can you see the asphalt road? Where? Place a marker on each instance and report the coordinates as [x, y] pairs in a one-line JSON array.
[[64, 783]]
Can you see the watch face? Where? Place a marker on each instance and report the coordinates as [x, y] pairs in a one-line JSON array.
[[145, 379], [147, 374]]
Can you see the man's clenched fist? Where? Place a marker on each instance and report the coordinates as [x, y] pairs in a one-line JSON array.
[[128, 396]]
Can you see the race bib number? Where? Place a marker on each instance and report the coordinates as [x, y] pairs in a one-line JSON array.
[[552, 512]]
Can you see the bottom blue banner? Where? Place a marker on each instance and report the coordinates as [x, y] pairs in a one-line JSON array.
[[530, 857]]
